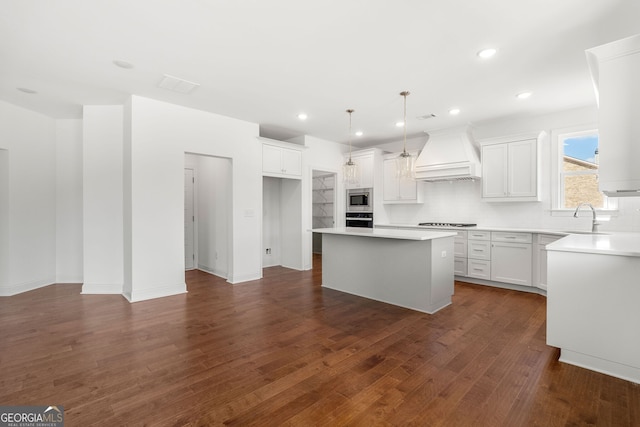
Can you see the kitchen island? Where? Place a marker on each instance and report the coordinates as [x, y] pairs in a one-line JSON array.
[[592, 302], [408, 268]]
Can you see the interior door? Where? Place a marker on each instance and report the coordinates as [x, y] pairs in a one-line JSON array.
[[189, 221]]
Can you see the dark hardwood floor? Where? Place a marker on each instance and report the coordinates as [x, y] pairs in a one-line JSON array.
[[284, 351]]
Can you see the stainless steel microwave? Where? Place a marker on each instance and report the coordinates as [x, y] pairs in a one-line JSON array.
[[360, 200]]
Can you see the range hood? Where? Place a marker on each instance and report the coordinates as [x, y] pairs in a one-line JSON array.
[[614, 68], [448, 155]]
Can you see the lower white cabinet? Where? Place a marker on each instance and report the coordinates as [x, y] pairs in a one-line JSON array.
[[540, 259], [460, 254], [479, 254], [479, 268], [511, 258]]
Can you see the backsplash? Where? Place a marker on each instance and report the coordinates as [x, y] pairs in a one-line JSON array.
[[461, 202]]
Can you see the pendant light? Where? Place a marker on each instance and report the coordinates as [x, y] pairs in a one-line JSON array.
[[404, 162], [350, 169]]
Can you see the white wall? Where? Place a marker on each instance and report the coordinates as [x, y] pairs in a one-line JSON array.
[[213, 198], [4, 219], [462, 202], [102, 154], [29, 212], [69, 258], [161, 134]]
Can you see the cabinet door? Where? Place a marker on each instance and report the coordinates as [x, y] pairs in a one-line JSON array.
[[271, 159], [291, 162], [407, 189], [522, 169], [390, 181], [365, 164], [494, 170], [511, 263]]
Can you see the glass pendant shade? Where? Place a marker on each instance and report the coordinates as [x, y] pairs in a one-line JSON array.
[[350, 168], [404, 162], [350, 172], [404, 166]]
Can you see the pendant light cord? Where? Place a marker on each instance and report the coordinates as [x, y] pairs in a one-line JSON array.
[[350, 111], [404, 149]]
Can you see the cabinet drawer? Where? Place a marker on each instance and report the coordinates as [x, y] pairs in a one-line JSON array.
[[459, 247], [545, 239], [479, 249], [460, 266], [479, 235], [503, 236], [479, 268]]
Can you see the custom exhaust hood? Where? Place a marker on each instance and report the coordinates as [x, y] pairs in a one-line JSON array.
[[448, 155]]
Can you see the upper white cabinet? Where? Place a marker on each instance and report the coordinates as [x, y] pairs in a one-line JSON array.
[[283, 162], [396, 189], [615, 68], [510, 168], [366, 166]]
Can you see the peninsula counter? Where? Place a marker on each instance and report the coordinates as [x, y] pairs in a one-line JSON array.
[[408, 268]]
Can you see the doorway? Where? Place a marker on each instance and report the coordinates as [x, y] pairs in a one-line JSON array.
[[323, 200], [189, 221], [207, 229]]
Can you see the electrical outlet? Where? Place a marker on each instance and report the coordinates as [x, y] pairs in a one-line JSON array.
[[444, 254], [268, 251]]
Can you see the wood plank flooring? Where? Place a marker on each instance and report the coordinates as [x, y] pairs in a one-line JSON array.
[[283, 351]]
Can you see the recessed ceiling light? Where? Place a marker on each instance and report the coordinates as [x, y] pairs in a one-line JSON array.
[[454, 111], [27, 90], [122, 64], [359, 133], [302, 116], [523, 95], [399, 124], [487, 53]]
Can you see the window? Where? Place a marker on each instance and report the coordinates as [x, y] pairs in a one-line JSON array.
[[577, 167]]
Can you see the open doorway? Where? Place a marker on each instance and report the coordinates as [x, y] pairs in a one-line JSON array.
[[208, 229], [323, 209]]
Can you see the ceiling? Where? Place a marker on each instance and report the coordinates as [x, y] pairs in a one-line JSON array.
[[267, 61]]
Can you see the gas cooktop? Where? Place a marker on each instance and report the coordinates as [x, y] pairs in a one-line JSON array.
[[446, 224]]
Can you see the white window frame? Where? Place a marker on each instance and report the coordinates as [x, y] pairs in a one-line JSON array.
[[557, 173]]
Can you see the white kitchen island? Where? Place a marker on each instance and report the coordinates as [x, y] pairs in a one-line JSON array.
[[408, 268], [593, 300]]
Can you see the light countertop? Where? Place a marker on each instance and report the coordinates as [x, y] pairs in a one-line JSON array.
[[479, 228], [623, 244], [387, 233]]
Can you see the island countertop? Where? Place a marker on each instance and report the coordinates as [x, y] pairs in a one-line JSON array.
[[622, 244], [386, 233]]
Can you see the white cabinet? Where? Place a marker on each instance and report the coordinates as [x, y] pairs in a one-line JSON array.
[[460, 254], [365, 178], [615, 68], [479, 254], [511, 258], [281, 161], [540, 259], [510, 169], [396, 189]]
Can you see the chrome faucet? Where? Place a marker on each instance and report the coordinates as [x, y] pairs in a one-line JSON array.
[[594, 222]]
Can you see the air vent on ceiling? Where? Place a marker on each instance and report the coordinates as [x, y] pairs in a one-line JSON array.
[[177, 85], [426, 116]]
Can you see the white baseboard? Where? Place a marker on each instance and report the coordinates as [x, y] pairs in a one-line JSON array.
[[216, 272], [7, 291], [233, 279], [159, 292], [101, 288]]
